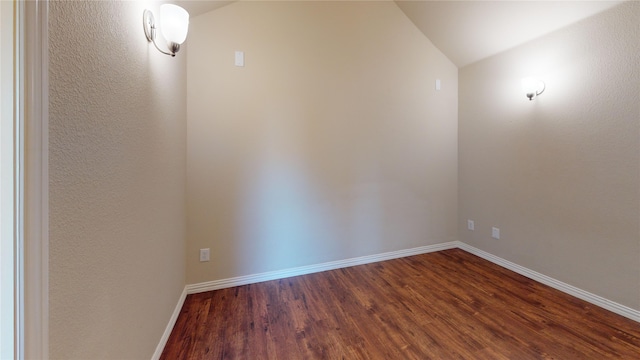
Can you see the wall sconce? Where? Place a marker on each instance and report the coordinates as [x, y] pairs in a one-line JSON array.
[[174, 22], [532, 87]]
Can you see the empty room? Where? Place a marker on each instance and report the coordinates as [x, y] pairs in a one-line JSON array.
[[340, 180]]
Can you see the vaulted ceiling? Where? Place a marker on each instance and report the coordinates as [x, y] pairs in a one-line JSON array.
[[468, 31]]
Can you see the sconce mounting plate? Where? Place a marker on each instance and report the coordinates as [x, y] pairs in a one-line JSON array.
[[149, 23]]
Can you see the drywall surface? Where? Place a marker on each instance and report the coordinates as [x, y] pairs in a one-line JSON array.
[[330, 143], [117, 182], [559, 175]]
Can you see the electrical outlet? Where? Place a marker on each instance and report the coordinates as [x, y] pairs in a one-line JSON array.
[[471, 225], [495, 233], [239, 60], [204, 255]]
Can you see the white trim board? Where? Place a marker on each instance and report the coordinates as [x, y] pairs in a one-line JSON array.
[[303, 270], [34, 60], [556, 284], [541, 278], [170, 325], [281, 274]]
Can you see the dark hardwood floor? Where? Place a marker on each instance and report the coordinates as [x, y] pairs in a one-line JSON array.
[[444, 305]]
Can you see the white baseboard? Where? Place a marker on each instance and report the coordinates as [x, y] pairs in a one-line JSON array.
[[556, 284], [169, 328], [303, 270]]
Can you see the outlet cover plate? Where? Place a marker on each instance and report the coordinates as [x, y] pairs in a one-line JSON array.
[[471, 225], [204, 255]]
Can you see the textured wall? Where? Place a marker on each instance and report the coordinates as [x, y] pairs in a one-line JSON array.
[[330, 143], [559, 175], [117, 182]]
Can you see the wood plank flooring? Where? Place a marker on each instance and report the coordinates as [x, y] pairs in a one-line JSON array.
[[443, 305]]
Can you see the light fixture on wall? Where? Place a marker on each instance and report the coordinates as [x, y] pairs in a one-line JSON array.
[[174, 24], [532, 87]]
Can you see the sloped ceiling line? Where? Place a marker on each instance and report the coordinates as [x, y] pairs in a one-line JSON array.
[[469, 31]]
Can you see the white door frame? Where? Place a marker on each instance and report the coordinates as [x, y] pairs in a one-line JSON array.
[[8, 184], [34, 62]]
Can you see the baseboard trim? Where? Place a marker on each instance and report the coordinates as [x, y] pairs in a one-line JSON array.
[[303, 270], [170, 325], [556, 284]]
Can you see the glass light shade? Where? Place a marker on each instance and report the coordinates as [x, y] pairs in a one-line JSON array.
[[532, 87], [174, 23]]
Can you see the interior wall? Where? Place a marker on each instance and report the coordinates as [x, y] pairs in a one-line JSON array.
[[330, 143], [117, 133], [559, 175]]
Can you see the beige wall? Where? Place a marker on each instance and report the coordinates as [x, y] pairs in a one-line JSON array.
[[331, 142], [559, 175], [117, 182]]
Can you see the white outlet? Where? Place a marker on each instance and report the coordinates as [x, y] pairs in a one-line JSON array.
[[239, 59], [471, 225], [204, 255], [495, 233]]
